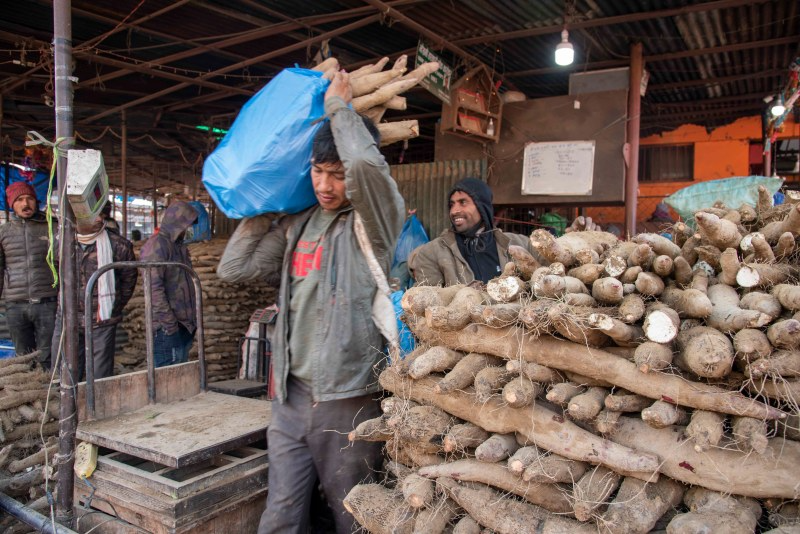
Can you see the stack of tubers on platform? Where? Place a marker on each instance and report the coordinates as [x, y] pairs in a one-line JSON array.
[[376, 90], [605, 386], [29, 414], [226, 313]]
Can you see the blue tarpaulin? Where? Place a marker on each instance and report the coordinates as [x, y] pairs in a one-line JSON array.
[[39, 180]]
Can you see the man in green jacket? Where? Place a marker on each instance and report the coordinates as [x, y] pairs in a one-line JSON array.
[[326, 349]]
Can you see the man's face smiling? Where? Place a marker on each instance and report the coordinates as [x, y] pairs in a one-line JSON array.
[[329, 187], [463, 211]]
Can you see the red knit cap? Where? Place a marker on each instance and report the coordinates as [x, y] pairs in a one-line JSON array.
[[17, 189]]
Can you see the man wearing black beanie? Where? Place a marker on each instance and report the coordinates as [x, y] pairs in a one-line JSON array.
[[473, 249]]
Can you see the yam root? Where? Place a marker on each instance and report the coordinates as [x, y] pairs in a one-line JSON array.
[[464, 372], [552, 432], [705, 351], [507, 516], [750, 434], [564, 355], [761, 476], [651, 356], [720, 233], [661, 324], [417, 491], [726, 314], [591, 491], [371, 430], [625, 401], [379, 510], [587, 405], [705, 429], [496, 448], [715, 512], [525, 263], [435, 518], [562, 392], [553, 468], [434, 360], [489, 381], [549, 496], [520, 392], [455, 315], [777, 364], [662, 414], [639, 505], [463, 436]]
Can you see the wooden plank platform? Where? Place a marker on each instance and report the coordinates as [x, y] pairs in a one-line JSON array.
[[180, 433], [181, 482]]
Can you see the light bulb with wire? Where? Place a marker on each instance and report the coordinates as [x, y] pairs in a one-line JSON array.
[[778, 108], [565, 53]]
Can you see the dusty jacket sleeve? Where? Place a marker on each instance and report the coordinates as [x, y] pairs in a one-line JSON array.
[[424, 266], [163, 316], [255, 251], [369, 186], [126, 279]]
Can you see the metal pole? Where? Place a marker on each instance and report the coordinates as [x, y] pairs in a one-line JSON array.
[[31, 517], [148, 336], [155, 203], [62, 42], [634, 113], [124, 173]]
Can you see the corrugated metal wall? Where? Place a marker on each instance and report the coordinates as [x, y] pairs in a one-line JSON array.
[[425, 187]]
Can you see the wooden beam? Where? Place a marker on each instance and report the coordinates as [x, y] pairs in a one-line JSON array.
[[252, 61]]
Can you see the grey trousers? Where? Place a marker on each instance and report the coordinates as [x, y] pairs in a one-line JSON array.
[[307, 441]]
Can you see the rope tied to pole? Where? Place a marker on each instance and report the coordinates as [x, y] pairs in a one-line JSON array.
[[35, 138]]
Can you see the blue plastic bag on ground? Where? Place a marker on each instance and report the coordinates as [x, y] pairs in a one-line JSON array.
[[263, 163], [732, 191]]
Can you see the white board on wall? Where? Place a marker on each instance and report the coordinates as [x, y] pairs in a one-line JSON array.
[[558, 168]]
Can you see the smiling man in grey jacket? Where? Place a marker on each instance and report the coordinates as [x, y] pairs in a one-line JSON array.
[[326, 349]]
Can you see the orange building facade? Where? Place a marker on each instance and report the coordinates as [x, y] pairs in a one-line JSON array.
[[721, 153]]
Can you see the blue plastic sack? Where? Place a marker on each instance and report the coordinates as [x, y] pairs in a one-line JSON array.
[[411, 236], [732, 191], [406, 338], [201, 230], [263, 163]]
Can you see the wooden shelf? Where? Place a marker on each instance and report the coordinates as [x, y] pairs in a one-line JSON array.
[[468, 111]]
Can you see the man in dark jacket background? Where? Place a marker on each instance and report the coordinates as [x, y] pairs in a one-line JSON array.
[[27, 281], [99, 245], [472, 249], [174, 321]]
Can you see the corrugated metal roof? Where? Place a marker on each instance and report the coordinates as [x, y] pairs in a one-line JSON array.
[[710, 62]]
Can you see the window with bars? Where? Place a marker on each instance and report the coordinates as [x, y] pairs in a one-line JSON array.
[[666, 163]]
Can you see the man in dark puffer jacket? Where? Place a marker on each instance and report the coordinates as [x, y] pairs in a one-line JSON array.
[[27, 279]]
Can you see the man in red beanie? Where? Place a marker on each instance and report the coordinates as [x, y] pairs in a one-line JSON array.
[[27, 279]]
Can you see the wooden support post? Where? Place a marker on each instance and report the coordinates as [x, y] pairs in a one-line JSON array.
[[124, 173], [634, 119]]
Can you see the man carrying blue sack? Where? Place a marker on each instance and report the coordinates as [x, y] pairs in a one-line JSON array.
[[326, 349]]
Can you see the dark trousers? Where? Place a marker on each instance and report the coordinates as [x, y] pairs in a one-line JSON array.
[[169, 349], [307, 442], [31, 327], [104, 340]]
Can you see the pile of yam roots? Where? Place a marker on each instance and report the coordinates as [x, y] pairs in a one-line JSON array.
[[603, 386], [376, 90], [29, 415], [227, 309]]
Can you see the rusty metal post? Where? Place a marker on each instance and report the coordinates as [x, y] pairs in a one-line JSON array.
[[62, 42], [124, 174], [634, 119]]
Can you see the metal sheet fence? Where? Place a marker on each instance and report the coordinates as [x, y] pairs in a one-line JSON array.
[[425, 188]]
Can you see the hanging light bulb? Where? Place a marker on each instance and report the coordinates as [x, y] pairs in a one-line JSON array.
[[565, 54], [778, 108]]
